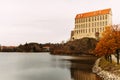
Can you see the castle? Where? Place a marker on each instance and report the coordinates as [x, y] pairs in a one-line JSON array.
[[91, 24]]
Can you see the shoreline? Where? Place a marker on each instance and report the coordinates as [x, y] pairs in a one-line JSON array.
[[105, 75]]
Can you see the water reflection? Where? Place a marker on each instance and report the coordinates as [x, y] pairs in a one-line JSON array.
[[80, 71], [33, 67], [40, 66]]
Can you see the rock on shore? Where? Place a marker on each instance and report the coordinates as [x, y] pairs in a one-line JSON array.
[[105, 75]]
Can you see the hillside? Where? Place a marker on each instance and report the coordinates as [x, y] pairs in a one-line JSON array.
[[79, 46]]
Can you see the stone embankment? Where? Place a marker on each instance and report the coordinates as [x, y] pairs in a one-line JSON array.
[[105, 75]]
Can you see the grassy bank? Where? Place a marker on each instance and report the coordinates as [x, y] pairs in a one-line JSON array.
[[110, 67]]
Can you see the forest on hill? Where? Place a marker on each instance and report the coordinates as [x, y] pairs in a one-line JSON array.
[[27, 47], [76, 47]]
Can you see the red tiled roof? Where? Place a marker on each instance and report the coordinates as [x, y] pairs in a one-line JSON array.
[[93, 13]]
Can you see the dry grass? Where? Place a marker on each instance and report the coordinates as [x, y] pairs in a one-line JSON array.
[[104, 63], [111, 67]]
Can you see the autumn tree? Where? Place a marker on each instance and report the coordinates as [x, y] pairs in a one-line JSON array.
[[116, 35], [109, 43]]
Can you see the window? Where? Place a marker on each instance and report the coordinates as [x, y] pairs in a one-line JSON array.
[[76, 21], [100, 30], [80, 20], [103, 24], [103, 17], [86, 19], [76, 31], [89, 19], [83, 25], [83, 20], [92, 24], [95, 18], [100, 17], [92, 18], [106, 16]]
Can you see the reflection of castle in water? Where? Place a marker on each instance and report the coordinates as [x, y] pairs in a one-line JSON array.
[[82, 69]]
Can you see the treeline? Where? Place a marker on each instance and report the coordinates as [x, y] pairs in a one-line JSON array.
[[27, 47], [76, 47]]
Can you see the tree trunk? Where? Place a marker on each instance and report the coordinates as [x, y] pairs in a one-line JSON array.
[[110, 58], [117, 52], [117, 58], [106, 57]]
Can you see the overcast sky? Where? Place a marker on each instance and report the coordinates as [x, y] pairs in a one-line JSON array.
[[44, 21]]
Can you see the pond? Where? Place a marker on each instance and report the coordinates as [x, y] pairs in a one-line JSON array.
[[43, 66]]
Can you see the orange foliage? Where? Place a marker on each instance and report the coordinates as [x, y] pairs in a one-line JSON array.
[[109, 42]]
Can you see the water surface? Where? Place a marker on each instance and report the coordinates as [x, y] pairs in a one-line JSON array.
[[41, 66]]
